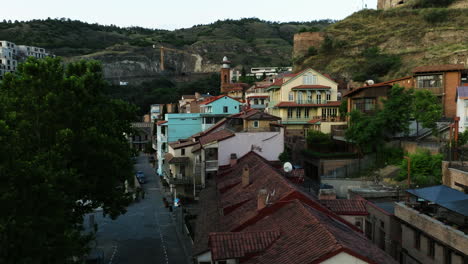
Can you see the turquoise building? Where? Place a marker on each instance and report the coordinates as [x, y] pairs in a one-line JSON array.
[[184, 125]]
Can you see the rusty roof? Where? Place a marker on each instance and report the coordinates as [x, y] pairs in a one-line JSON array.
[[439, 68]]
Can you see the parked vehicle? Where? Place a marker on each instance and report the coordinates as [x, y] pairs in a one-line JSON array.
[[140, 177]]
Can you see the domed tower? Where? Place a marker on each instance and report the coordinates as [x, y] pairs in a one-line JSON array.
[[225, 74]]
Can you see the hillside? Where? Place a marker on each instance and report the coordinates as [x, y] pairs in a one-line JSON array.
[[378, 44], [127, 53]]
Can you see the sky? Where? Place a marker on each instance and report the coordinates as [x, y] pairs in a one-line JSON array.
[[175, 14]]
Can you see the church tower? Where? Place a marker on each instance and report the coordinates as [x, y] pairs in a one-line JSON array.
[[225, 74]]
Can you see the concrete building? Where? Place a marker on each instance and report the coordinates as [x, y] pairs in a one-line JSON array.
[[434, 226], [462, 107], [180, 126], [11, 54], [8, 57], [455, 175], [305, 100], [142, 135], [257, 97]]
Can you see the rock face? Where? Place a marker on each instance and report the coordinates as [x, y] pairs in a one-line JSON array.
[[130, 64], [303, 41], [386, 4]]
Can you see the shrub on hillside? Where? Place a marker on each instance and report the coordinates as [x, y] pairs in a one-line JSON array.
[[436, 15], [433, 3]]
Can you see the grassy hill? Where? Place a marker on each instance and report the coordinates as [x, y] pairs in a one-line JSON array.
[[378, 44], [250, 42]]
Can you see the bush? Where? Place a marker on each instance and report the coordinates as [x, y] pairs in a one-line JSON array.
[[390, 156], [433, 3], [436, 16], [312, 51], [426, 169], [285, 156]]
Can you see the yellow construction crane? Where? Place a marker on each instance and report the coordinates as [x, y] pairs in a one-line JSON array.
[[161, 49]]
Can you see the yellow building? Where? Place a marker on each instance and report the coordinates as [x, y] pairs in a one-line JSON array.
[[305, 100]]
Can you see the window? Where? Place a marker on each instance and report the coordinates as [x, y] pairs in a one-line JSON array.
[[256, 124], [309, 96], [291, 96], [182, 152], [298, 113], [299, 97], [306, 112], [328, 96], [417, 239], [225, 109], [364, 104], [447, 256], [319, 98], [290, 112], [430, 248], [310, 79], [368, 228], [429, 81]]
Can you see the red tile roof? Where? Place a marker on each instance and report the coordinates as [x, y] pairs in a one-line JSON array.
[[346, 207], [294, 104], [182, 144], [308, 231], [439, 68], [216, 136], [314, 121], [277, 82], [381, 84], [254, 114], [311, 87], [228, 245], [309, 236], [161, 122]]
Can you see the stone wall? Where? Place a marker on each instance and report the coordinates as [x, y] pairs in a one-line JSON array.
[[304, 40], [386, 4]]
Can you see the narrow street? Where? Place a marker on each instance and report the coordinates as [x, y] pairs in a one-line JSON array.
[[146, 233]]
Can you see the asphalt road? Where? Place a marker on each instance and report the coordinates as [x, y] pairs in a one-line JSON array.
[[146, 233]]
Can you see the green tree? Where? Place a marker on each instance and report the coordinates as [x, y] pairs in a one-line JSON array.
[[425, 168], [397, 111], [427, 110], [63, 154], [364, 131], [343, 107]]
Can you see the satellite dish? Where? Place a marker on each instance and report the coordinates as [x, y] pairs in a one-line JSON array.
[[370, 82], [287, 167]]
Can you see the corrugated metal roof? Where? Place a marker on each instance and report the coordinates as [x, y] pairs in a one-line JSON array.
[[444, 196]]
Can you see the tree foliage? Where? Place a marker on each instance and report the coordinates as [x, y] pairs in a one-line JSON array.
[[427, 109], [397, 111], [63, 153], [425, 168], [364, 131], [375, 65]]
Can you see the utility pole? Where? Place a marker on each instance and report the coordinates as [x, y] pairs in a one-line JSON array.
[[409, 173]]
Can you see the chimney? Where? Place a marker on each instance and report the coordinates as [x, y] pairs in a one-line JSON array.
[[327, 194], [233, 160], [262, 199], [245, 177]]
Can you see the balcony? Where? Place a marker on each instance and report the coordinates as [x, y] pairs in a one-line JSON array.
[[430, 224], [311, 101], [162, 138], [319, 118]]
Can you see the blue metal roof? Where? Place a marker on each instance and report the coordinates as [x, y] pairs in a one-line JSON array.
[[444, 196]]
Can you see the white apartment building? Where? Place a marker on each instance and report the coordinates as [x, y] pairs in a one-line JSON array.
[[8, 57], [11, 54]]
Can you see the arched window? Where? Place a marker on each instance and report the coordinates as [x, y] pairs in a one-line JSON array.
[[328, 96], [225, 78], [291, 96], [309, 78], [299, 97]]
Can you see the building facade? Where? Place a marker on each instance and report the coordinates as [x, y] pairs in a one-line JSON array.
[[305, 100], [11, 54]]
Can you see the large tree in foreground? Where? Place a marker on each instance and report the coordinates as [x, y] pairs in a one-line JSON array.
[[63, 153]]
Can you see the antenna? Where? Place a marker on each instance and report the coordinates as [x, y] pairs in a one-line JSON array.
[[287, 167]]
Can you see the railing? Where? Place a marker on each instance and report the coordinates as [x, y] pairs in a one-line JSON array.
[[211, 165], [311, 101], [321, 118]]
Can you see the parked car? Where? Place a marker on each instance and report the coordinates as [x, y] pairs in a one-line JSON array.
[[140, 177]]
